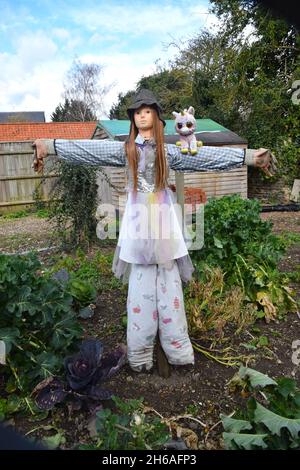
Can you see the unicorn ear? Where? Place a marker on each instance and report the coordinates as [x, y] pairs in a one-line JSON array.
[[191, 110], [175, 114]]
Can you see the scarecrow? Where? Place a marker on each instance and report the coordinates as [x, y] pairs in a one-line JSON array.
[[152, 254]]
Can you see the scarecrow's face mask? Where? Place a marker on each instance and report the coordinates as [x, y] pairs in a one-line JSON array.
[[143, 118]]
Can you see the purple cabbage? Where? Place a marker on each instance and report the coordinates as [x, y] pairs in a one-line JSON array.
[[84, 373], [82, 368]]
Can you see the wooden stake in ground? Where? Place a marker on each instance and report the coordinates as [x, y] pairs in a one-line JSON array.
[[164, 369]]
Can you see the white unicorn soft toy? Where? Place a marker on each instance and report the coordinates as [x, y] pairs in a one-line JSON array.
[[185, 125]]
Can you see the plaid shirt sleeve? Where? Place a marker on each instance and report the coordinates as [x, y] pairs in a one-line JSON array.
[[207, 159], [91, 152]]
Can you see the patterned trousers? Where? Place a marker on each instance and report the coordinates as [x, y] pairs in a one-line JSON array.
[[155, 303]]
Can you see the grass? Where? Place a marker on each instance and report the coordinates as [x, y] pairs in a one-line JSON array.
[[290, 238], [41, 213], [294, 276], [15, 215]]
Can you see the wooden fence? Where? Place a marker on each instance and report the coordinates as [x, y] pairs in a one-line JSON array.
[[18, 181]]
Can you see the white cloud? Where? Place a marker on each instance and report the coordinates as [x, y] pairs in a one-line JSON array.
[[123, 70], [134, 19], [100, 38], [35, 48], [61, 33], [69, 40], [33, 70], [31, 78]]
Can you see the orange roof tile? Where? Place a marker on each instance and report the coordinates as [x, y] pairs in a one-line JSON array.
[[13, 132]]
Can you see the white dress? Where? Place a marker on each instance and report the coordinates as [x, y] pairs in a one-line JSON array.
[[151, 229]]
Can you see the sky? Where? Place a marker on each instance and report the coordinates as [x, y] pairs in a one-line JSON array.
[[40, 39]]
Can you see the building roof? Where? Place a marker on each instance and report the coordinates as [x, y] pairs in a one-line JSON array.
[[207, 130], [22, 116], [47, 130]]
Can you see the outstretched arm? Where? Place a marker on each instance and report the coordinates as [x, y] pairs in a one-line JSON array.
[[80, 152], [211, 158]]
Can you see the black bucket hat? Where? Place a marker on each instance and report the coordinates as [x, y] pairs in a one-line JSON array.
[[145, 97]]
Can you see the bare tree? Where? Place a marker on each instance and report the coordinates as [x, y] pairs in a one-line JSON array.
[[83, 86]]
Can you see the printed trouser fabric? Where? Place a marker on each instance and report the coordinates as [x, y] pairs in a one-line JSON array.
[[155, 303]]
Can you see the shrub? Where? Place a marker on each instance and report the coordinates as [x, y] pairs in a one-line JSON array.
[[73, 203]]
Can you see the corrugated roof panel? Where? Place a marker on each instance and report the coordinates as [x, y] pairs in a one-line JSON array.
[[116, 127]]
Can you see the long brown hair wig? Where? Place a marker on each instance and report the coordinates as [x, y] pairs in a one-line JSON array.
[[160, 161]]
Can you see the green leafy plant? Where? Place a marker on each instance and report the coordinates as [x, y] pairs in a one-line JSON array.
[[128, 429], [81, 267], [265, 286], [82, 291], [241, 244], [86, 276], [275, 424], [232, 226], [37, 323]]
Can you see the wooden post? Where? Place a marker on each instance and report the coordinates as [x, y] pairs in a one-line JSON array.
[[295, 195], [179, 179]]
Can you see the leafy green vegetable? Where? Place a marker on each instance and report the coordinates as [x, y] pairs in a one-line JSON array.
[[37, 322]]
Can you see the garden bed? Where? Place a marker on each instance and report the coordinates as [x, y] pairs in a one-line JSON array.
[[200, 392]]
